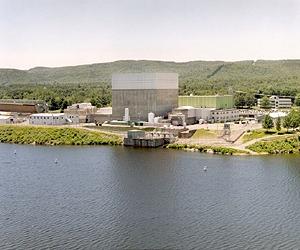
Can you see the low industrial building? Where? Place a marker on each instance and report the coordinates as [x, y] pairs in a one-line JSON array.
[[6, 119], [213, 101], [48, 119], [189, 115], [102, 115], [23, 106], [183, 115], [81, 110], [251, 115], [144, 93], [204, 109], [277, 102], [278, 114], [225, 115]]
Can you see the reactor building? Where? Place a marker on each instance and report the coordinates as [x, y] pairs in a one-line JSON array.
[[143, 93]]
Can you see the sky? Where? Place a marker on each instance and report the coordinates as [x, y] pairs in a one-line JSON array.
[[57, 33]]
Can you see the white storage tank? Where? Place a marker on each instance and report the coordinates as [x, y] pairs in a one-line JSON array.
[[126, 117], [151, 117]]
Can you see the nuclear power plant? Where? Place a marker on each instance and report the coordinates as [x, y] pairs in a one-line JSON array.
[[143, 93]]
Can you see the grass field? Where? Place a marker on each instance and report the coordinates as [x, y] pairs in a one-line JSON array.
[[261, 133], [204, 134], [257, 134], [55, 136], [287, 145]]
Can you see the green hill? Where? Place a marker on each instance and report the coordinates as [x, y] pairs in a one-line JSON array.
[[197, 77], [202, 71]]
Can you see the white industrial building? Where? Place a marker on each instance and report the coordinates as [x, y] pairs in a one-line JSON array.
[[191, 115], [82, 111], [225, 115], [48, 119], [278, 114], [277, 102], [6, 119]]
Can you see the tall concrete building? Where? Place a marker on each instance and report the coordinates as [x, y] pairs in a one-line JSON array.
[[143, 93]]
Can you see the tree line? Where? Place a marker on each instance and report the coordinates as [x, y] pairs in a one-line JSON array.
[[291, 121], [59, 96]]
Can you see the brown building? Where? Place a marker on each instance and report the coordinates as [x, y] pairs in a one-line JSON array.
[[23, 106]]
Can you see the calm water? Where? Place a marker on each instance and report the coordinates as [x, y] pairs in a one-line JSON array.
[[114, 197]]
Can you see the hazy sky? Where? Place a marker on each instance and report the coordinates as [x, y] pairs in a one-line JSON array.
[[70, 32]]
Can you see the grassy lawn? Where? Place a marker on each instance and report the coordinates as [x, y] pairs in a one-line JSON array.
[[55, 136], [287, 145], [257, 134], [204, 134]]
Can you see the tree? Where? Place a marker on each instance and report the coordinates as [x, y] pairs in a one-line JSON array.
[[278, 124], [265, 102], [292, 120], [295, 118], [64, 104], [297, 100], [268, 122], [250, 100], [287, 123], [244, 99], [239, 100]]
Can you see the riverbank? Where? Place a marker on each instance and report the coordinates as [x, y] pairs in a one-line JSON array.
[[48, 135], [55, 136], [208, 149], [256, 142], [285, 145]]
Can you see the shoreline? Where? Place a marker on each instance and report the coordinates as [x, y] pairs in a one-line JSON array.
[[80, 136], [209, 149], [52, 136]]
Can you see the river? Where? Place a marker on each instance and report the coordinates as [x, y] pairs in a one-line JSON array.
[[123, 198]]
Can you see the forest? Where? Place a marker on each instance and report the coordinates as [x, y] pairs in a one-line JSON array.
[[63, 86]]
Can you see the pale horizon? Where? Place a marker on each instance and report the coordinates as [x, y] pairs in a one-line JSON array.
[[53, 33]]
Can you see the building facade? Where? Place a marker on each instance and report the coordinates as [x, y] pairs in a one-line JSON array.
[[143, 93], [194, 115], [53, 119], [47, 119], [6, 119], [215, 101], [277, 102], [225, 115], [23, 106], [82, 111]]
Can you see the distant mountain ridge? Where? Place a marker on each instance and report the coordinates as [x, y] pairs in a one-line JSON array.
[[207, 73]]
